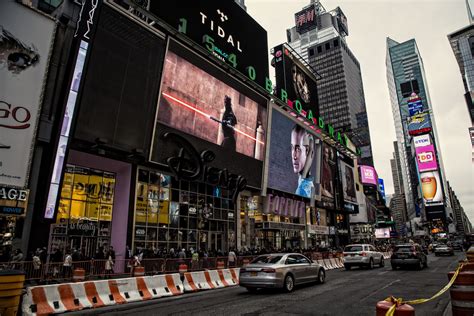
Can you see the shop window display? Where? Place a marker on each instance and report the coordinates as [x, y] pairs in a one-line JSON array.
[[83, 222], [182, 214]]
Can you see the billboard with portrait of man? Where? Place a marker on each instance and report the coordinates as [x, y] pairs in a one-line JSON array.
[[328, 176], [294, 154], [348, 182]]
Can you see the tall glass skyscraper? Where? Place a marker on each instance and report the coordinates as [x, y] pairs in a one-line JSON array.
[[405, 77]]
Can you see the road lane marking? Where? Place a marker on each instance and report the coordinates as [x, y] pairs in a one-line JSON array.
[[377, 290]]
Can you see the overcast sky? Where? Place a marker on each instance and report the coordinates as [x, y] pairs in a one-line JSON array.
[[370, 22]]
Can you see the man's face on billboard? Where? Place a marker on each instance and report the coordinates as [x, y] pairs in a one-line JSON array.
[[299, 149]]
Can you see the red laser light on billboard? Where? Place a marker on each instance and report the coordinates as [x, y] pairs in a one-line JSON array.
[[193, 108]]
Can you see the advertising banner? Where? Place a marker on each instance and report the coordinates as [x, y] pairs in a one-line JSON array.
[[13, 201], [368, 175], [224, 29], [415, 106], [24, 55], [431, 188], [294, 158], [305, 20], [220, 116], [348, 182], [382, 187], [382, 232], [422, 140], [426, 158], [419, 124], [328, 176], [296, 79]]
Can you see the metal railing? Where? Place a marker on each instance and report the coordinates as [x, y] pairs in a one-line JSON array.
[[56, 272]]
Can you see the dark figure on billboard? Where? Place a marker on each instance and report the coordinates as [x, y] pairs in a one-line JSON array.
[[300, 85], [302, 152], [228, 122], [327, 188], [350, 188]]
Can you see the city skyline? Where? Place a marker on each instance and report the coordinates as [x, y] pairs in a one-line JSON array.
[[445, 89]]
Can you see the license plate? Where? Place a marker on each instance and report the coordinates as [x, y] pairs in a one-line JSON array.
[[253, 273], [352, 255], [402, 256]]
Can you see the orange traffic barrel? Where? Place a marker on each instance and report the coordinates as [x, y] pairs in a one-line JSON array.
[[462, 292], [78, 275], [382, 308], [139, 271], [11, 287], [182, 268], [220, 265]]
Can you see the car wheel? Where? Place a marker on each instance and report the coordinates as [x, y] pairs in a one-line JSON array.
[[420, 265], [382, 262], [347, 267], [321, 276], [252, 289], [371, 263], [289, 283]]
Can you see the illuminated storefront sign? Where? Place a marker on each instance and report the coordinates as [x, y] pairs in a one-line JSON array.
[[305, 20], [13, 201]]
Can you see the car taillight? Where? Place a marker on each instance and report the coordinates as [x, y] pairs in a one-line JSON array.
[[363, 254], [345, 254], [268, 270]]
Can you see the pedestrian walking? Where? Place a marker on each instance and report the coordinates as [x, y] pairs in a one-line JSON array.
[[231, 258], [67, 265]]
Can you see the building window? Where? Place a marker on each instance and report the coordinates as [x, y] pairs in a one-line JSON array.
[[311, 52], [336, 43], [328, 46], [320, 50]]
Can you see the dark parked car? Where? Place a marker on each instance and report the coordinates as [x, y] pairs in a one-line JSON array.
[[280, 270], [408, 255], [444, 250]]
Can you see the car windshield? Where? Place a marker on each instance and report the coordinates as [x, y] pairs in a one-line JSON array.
[[403, 249], [267, 259], [353, 248]]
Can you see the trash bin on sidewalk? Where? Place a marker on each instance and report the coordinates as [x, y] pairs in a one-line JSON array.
[[11, 287]]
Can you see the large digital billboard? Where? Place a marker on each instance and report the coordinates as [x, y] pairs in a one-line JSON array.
[[328, 176], [419, 124], [426, 158], [24, 58], [296, 79], [348, 182], [224, 29], [295, 156], [119, 94], [431, 188], [199, 100], [368, 175]]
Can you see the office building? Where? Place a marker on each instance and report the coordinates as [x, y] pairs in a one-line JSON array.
[[319, 38], [462, 43], [416, 134]]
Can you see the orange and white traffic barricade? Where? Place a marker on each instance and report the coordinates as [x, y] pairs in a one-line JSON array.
[[333, 262], [327, 264], [57, 298], [231, 276], [164, 285], [321, 263], [139, 271], [78, 275], [220, 264], [197, 281]]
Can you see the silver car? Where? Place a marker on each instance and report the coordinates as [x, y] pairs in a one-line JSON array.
[[362, 255], [280, 270]]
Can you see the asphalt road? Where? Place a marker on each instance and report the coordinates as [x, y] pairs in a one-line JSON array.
[[353, 292]]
